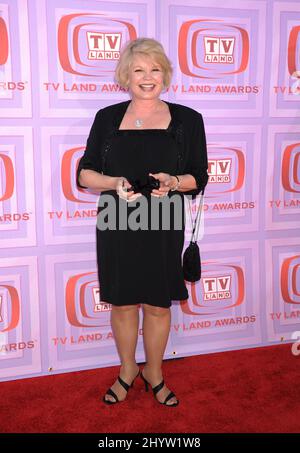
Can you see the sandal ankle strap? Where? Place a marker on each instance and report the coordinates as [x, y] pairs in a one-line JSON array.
[[124, 384], [158, 387]]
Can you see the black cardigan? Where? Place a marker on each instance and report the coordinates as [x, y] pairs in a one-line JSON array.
[[186, 126]]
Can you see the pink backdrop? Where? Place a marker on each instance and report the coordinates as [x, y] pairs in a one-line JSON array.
[[235, 62]]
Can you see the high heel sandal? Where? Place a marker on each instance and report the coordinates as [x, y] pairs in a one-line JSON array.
[[112, 393], [156, 389]]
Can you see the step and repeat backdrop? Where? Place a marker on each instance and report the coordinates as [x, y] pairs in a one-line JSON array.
[[236, 62]]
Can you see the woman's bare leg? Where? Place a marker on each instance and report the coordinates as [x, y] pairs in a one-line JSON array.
[[125, 324], [156, 329]]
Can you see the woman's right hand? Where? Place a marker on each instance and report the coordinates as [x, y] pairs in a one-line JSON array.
[[122, 186]]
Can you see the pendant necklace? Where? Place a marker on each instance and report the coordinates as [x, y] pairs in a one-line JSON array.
[[138, 123]]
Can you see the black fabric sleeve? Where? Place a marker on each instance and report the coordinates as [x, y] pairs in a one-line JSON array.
[[197, 164], [91, 159]]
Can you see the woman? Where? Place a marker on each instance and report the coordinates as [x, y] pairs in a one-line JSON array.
[[132, 145]]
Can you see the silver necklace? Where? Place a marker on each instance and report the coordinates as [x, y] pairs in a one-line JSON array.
[[138, 123]]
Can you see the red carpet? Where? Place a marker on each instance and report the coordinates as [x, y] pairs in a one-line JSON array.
[[251, 390]]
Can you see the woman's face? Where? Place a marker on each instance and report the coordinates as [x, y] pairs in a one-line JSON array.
[[145, 78]]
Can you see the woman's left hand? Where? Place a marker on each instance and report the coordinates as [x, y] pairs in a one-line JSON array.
[[165, 181]]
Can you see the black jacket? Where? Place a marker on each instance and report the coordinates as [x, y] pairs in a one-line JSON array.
[[186, 126]]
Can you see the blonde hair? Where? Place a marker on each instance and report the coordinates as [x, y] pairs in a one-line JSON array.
[[145, 46]]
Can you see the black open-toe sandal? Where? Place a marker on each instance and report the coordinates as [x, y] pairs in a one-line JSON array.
[[156, 389], [112, 393]]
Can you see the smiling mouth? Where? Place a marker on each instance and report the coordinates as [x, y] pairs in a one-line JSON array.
[[147, 87]]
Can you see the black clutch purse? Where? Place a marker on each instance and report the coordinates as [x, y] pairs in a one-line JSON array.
[[191, 263], [146, 186]]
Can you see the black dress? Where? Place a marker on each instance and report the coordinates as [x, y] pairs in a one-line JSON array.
[[142, 265]]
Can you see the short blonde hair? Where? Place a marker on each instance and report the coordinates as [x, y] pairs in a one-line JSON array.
[[145, 46]]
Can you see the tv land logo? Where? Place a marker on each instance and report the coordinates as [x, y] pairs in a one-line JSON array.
[[9, 308], [210, 48], [217, 288], [290, 168], [218, 50], [83, 301], [221, 168], [218, 295], [4, 47], [289, 280], [104, 46], [85, 39]]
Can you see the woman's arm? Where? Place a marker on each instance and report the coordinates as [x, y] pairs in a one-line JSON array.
[[89, 171], [101, 183], [197, 165], [93, 180], [184, 183], [195, 178], [187, 182]]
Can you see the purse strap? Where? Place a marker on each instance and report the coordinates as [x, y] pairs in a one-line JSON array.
[[196, 223]]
